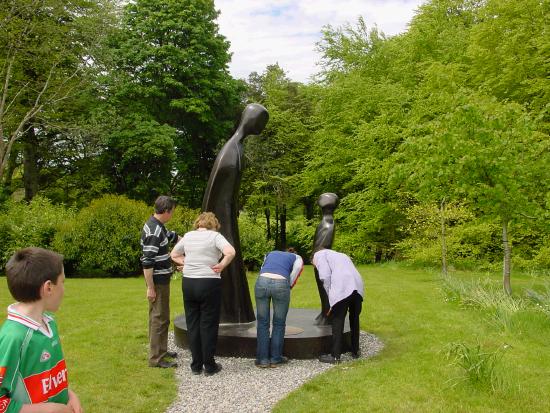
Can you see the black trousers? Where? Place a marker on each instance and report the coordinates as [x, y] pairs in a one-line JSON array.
[[351, 304], [202, 299]]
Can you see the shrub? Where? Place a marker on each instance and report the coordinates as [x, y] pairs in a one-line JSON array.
[[254, 242], [33, 224], [471, 243], [542, 258], [182, 220], [300, 233], [104, 237], [355, 245]]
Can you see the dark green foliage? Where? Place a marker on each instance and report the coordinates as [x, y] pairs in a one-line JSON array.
[[183, 219], [299, 235], [452, 112], [140, 156], [276, 157], [171, 66], [34, 224], [103, 238], [254, 242]]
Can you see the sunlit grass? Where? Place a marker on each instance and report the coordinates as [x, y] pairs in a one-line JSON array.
[[408, 310], [103, 323], [103, 326]]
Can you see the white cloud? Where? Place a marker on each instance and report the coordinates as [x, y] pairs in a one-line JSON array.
[[286, 31]]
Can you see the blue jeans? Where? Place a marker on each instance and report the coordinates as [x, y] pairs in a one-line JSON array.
[[266, 289]]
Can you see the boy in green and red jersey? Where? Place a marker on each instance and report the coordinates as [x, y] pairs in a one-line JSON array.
[[33, 375]]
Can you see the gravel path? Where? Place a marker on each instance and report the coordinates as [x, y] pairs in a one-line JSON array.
[[243, 387]]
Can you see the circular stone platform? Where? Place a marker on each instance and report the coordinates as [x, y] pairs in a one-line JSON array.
[[303, 339]]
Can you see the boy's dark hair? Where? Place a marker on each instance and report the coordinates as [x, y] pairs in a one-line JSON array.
[[164, 204], [28, 269]]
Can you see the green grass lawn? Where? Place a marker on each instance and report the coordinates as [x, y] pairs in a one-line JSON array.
[[103, 327], [407, 310], [103, 323]]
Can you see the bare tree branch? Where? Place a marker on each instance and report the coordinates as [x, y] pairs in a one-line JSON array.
[[6, 85], [13, 100]]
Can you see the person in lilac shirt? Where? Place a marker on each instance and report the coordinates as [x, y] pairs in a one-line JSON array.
[[344, 287]]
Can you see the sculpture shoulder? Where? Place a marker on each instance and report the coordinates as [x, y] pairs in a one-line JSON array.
[[230, 156]]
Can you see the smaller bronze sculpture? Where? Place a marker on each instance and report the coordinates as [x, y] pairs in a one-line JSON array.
[[324, 236]]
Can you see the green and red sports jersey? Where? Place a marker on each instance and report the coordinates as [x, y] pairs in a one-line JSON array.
[[32, 367]]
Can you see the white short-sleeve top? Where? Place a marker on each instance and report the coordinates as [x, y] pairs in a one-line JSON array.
[[202, 250]]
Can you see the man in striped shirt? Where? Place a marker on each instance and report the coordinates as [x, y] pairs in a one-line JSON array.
[[157, 269]]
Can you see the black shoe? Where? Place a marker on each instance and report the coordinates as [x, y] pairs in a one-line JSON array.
[[355, 355], [217, 369], [163, 364], [329, 358], [280, 363], [260, 365], [196, 372], [171, 354]]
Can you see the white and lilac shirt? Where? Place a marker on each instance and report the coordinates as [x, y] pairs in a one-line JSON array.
[[339, 276]]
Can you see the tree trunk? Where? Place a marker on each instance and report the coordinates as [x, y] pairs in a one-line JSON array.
[[378, 254], [10, 168], [308, 207], [276, 235], [507, 258], [268, 223], [443, 239], [283, 229], [30, 163]]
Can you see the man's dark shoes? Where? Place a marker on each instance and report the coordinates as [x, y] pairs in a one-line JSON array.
[[355, 355], [196, 372], [261, 365], [329, 358], [284, 360], [163, 364], [217, 369], [171, 354]]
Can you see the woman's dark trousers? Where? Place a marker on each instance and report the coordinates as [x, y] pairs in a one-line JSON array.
[[202, 302], [351, 304]]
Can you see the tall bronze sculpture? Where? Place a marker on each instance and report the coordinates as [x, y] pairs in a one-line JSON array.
[[324, 236], [221, 198]]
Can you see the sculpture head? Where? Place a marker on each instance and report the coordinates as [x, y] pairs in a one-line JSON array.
[[253, 119], [328, 201]]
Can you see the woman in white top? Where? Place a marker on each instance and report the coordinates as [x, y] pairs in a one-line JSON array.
[[199, 253]]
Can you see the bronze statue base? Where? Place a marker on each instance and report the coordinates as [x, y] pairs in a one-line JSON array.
[[303, 339]]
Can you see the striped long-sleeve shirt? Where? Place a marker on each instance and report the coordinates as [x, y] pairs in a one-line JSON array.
[[155, 245]]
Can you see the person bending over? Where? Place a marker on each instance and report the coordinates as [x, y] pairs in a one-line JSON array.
[[344, 287], [278, 275]]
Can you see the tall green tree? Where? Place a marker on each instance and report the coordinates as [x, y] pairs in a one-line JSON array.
[[508, 52], [488, 154], [361, 113], [46, 50], [172, 66], [276, 156]]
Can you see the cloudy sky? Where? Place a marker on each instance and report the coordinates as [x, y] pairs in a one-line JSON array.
[[264, 32]]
